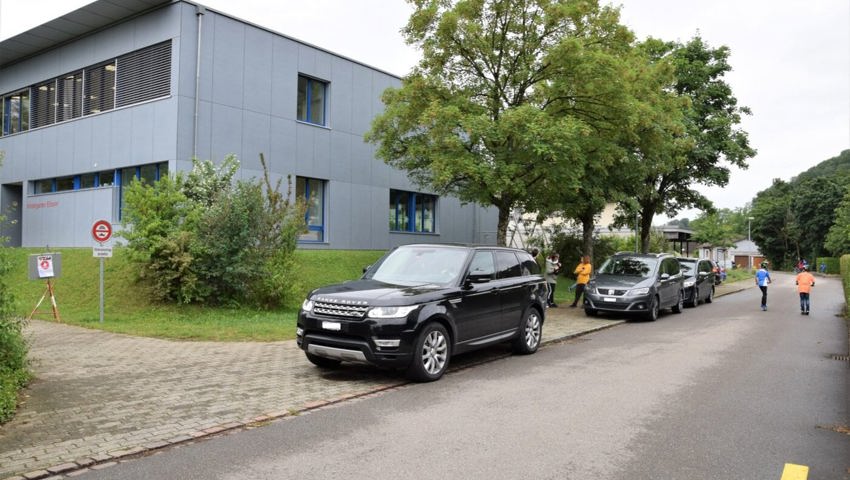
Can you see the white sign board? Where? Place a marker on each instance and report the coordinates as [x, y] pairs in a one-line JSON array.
[[102, 252], [45, 266]]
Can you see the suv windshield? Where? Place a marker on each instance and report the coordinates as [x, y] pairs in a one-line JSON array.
[[420, 265], [628, 266]]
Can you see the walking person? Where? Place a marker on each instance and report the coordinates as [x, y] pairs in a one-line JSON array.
[[582, 271], [553, 267], [763, 280], [805, 282]]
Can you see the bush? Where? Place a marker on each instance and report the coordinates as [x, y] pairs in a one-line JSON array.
[[832, 264], [14, 372], [202, 238]]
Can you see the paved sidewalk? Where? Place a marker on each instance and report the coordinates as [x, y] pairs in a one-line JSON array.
[[99, 396]]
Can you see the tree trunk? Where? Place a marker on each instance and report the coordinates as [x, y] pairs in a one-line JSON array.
[[587, 227], [502, 229], [646, 215]]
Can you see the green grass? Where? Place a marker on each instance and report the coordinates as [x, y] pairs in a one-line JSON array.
[[738, 274], [129, 309]]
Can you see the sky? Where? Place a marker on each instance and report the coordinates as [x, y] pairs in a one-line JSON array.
[[790, 60]]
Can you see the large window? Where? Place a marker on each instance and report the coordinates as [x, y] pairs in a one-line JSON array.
[[412, 212], [312, 96], [312, 191], [132, 78]]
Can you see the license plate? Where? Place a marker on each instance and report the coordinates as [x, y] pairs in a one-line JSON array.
[[335, 326], [609, 299]]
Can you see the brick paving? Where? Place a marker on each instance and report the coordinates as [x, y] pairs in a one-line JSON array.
[[99, 396]]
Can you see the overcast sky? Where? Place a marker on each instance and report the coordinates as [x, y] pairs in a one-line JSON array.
[[791, 61]]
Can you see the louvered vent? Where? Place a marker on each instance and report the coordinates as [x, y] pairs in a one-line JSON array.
[[144, 74]]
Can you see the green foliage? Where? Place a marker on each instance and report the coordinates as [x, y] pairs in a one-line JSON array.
[[833, 264], [838, 238], [715, 229], [14, 372], [204, 239], [845, 274], [502, 108], [774, 227], [691, 135]]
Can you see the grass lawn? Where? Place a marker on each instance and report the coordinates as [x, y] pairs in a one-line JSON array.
[[128, 308]]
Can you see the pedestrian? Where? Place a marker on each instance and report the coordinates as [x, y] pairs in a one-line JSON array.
[[763, 280], [582, 271], [535, 252], [553, 267], [822, 267], [805, 282]]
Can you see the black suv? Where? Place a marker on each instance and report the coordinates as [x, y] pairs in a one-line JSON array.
[[699, 280], [420, 304], [636, 283]]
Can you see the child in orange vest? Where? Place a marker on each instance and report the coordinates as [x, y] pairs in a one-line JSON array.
[[805, 282]]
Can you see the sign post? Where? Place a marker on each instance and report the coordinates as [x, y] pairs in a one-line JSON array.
[[101, 232]]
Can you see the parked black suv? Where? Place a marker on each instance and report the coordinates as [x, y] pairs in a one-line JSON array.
[[699, 280], [420, 304], [636, 283]]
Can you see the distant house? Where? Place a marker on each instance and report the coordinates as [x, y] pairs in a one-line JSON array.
[[745, 254]]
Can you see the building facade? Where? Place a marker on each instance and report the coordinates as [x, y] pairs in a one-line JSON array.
[[124, 89]]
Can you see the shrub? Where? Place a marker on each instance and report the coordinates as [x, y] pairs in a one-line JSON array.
[[832, 264], [203, 238], [14, 372]]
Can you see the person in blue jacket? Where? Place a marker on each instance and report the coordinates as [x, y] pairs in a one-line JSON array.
[[763, 280]]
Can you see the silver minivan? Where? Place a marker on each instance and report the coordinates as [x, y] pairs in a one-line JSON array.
[[636, 284]]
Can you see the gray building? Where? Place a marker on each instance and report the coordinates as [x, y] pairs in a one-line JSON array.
[[123, 89]]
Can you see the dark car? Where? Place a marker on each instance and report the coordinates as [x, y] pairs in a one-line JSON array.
[[634, 283], [699, 280], [421, 304]]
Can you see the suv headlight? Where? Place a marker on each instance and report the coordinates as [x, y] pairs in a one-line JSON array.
[[391, 312], [689, 283], [307, 305], [640, 291]]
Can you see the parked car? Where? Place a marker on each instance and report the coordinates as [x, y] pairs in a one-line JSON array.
[[699, 280], [632, 283], [421, 304]]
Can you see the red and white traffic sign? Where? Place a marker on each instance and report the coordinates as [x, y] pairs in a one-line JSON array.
[[101, 231]]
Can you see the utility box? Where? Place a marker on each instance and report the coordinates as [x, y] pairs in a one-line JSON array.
[[45, 265]]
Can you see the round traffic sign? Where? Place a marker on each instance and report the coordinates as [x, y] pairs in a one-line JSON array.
[[101, 231]]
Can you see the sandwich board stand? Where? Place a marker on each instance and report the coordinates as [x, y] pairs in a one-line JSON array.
[[45, 266]]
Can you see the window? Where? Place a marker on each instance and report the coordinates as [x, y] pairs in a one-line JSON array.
[[100, 88], [106, 179], [43, 186], [508, 265], [69, 96], [16, 112], [44, 104], [311, 100], [412, 212], [87, 180], [64, 183], [312, 191]]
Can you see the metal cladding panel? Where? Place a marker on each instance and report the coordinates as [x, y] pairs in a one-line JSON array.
[[65, 219], [258, 71], [228, 40]]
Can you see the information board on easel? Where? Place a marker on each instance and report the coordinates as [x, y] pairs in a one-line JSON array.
[[46, 266]]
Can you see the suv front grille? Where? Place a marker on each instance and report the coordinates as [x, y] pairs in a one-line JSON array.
[[610, 292], [340, 309]]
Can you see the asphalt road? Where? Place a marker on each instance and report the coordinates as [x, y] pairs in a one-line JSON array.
[[723, 391]]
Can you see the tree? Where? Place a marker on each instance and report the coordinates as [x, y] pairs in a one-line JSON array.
[[814, 203], [486, 114], [715, 229], [838, 238], [774, 227], [696, 146]]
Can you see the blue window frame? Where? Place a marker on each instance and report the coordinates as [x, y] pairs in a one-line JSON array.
[[312, 96], [412, 212], [312, 191]]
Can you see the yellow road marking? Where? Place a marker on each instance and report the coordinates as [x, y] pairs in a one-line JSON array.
[[795, 472]]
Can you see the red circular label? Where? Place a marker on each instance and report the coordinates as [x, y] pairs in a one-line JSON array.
[[101, 231]]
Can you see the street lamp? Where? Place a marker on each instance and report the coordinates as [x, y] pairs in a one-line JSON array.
[[749, 223]]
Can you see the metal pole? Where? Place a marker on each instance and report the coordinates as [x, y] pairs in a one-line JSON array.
[[101, 289]]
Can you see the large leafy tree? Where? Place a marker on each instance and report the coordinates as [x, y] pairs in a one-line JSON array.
[[698, 145], [486, 115], [774, 227], [814, 203], [838, 238], [715, 229]]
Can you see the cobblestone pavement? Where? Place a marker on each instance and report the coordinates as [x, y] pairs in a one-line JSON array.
[[99, 396]]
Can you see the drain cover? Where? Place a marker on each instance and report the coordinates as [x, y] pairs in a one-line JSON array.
[[843, 358]]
